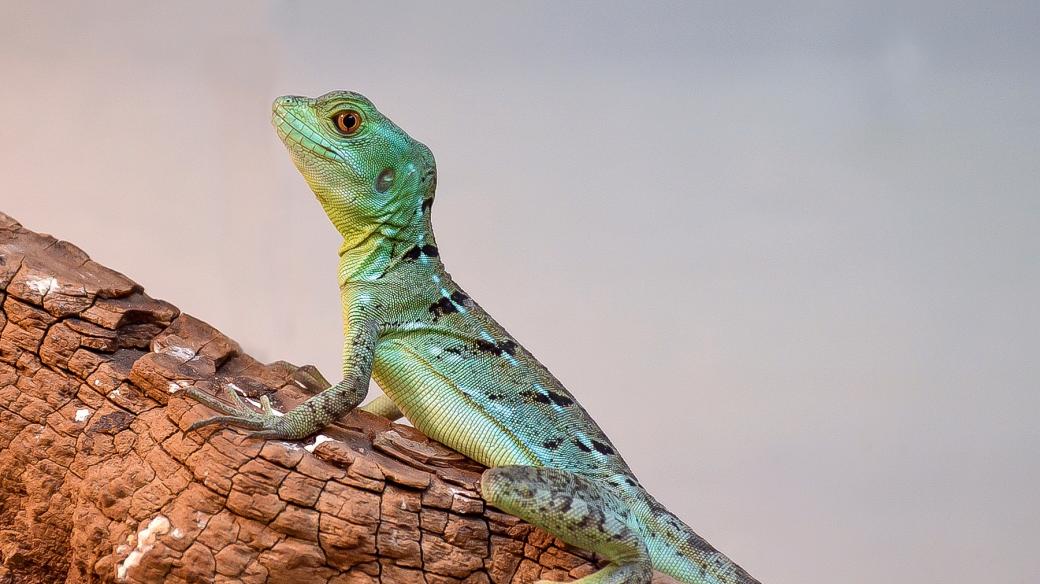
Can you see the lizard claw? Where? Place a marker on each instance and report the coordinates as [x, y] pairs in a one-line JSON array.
[[240, 421]]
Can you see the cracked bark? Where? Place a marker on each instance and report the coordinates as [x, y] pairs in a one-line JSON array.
[[100, 483]]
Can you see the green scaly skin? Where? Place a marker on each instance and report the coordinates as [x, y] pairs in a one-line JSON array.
[[450, 368]]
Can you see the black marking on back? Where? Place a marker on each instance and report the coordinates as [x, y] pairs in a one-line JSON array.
[[488, 347], [442, 307], [602, 448], [560, 399], [536, 396], [391, 324], [549, 397], [508, 346], [415, 251], [581, 446], [553, 444]]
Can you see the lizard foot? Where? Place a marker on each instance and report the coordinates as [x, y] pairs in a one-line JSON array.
[[266, 424]]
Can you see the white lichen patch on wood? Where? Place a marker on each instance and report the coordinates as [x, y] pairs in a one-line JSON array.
[[175, 386], [159, 525], [177, 352], [42, 285], [317, 440]]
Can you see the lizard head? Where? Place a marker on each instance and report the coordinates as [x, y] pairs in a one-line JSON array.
[[364, 169]]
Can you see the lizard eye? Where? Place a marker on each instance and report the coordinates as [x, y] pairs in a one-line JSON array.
[[347, 122]]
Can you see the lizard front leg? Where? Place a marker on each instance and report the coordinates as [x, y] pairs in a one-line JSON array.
[[362, 334], [576, 509]]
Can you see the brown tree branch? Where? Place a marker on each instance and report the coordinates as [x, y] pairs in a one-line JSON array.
[[100, 483]]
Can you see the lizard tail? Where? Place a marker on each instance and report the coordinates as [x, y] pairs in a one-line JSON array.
[[678, 551]]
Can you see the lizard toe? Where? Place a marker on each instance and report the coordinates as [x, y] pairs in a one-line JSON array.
[[238, 414]]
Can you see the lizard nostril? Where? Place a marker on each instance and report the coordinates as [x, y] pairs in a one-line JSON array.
[[286, 101]]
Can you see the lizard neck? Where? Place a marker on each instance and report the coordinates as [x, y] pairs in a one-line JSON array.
[[371, 250]]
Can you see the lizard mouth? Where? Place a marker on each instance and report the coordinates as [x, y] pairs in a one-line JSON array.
[[297, 135]]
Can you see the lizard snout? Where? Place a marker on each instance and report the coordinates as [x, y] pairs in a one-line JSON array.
[[286, 101]]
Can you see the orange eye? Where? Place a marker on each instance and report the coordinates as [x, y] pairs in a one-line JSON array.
[[348, 122]]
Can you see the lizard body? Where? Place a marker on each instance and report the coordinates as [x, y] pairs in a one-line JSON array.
[[447, 365]]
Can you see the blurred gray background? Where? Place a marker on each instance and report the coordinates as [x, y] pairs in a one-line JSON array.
[[786, 254]]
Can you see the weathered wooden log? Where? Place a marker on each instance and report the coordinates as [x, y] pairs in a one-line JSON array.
[[100, 483]]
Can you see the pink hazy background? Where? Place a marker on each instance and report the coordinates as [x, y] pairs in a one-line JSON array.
[[786, 255]]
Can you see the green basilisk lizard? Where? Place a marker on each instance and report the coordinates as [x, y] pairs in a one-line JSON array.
[[443, 362]]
